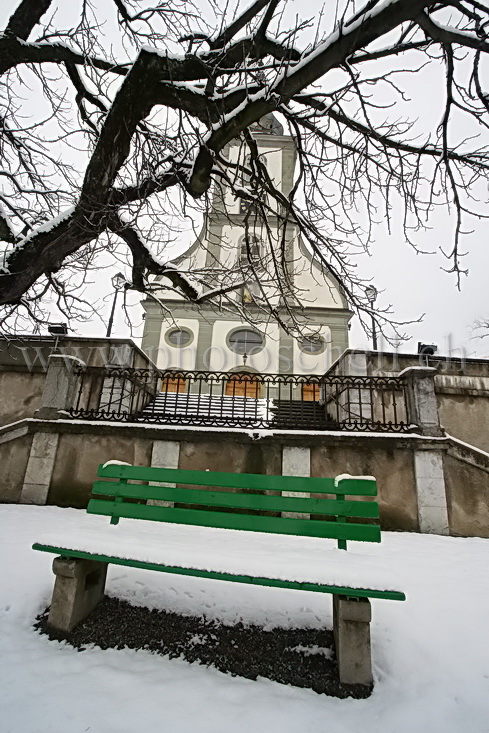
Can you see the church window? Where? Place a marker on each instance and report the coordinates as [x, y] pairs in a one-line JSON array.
[[249, 249], [245, 341], [246, 172], [312, 344], [179, 337]]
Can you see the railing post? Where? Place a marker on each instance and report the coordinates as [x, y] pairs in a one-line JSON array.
[[422, 406], [428, 461], [59, 387]]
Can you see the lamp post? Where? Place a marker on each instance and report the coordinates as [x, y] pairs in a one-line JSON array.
[[371, 292], [118, 282]]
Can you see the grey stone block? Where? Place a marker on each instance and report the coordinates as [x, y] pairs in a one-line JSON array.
[[78, 589], [422, 405], [165, 454], [59, 387], [39, 470], [351, 627], [296, 462]]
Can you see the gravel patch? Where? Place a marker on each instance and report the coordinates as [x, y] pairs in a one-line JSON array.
[[298, 657]]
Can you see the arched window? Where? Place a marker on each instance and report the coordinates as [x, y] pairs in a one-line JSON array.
[[249, 249], [246, 341], [312, 344], [178, 337], [246, 171]]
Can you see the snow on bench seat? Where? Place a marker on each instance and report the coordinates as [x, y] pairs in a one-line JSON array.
[[288, 558]]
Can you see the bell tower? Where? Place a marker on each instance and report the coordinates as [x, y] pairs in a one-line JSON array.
[[240, 239]]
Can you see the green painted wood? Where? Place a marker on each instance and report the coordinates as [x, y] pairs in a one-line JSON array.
[[356, 487], [258, 502], [232, 520], [258, 482], [271, 582], [341, 544], [119, 499]]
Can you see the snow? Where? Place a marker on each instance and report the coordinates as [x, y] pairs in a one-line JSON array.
[[311, 650], [425, 369], [347, 476], [47, 226], [308, 559], [255, 433], [453, 29], [471, 447], [430, 660], [116, 463], [163, 53]]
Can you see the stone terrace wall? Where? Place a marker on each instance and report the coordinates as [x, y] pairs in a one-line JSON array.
[[461, 386], [24, 362], [56, 462]]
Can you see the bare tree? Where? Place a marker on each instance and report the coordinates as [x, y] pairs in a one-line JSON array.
[[110, 139]]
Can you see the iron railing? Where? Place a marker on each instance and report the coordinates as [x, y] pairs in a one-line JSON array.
[[229, 399]]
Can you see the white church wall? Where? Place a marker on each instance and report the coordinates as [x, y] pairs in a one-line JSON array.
[[313, 288], [174, 357], [313, 363], [222, 358], [271, 156]]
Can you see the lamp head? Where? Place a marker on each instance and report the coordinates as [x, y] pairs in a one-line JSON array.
[[118, 281], [371, 292]]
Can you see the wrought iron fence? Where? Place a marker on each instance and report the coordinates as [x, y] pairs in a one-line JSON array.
[[242, 399]]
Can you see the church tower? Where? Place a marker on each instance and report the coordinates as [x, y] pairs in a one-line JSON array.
[[239, 335]]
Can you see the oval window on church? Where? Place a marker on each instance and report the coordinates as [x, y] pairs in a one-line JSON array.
[[312, 344], [245, 341], [179, 337]]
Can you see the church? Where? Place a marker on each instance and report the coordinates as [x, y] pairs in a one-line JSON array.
[[237, 334]]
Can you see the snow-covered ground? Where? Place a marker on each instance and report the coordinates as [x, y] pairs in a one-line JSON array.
[[431, 653]]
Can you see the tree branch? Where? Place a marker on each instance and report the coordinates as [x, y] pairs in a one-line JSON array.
[[448, 35], [26, 16]]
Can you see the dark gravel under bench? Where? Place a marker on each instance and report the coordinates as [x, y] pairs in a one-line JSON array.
[[298, 657]]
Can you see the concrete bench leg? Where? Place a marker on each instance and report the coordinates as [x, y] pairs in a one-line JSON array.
[[351, 627], [78, 588]]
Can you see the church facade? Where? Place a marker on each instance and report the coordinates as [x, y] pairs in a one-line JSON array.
[[236, 333]]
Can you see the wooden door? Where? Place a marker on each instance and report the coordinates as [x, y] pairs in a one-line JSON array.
[[311, 392], [173, 384], [243, 385]]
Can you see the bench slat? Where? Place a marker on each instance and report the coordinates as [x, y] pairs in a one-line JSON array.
[[229, 520], [272, 582], [258, 502], [259, 482]]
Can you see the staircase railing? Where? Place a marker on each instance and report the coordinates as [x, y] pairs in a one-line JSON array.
[[242, 399]]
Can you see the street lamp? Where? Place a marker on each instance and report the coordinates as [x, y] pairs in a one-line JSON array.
[[118, 282], [371, 292]]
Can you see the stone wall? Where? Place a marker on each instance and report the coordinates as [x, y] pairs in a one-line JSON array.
[[20, 394], [55, 462], [24, 362], [464, 412], [15, 447]]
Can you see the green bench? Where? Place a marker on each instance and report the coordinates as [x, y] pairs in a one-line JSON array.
[[254, 503]]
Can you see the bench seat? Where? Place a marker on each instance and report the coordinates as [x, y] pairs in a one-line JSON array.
[[247, 557]]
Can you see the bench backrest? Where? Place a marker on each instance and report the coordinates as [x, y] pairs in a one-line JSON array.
[[225, 506]]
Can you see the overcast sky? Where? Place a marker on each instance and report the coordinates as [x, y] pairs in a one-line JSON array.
[[414, 284]]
